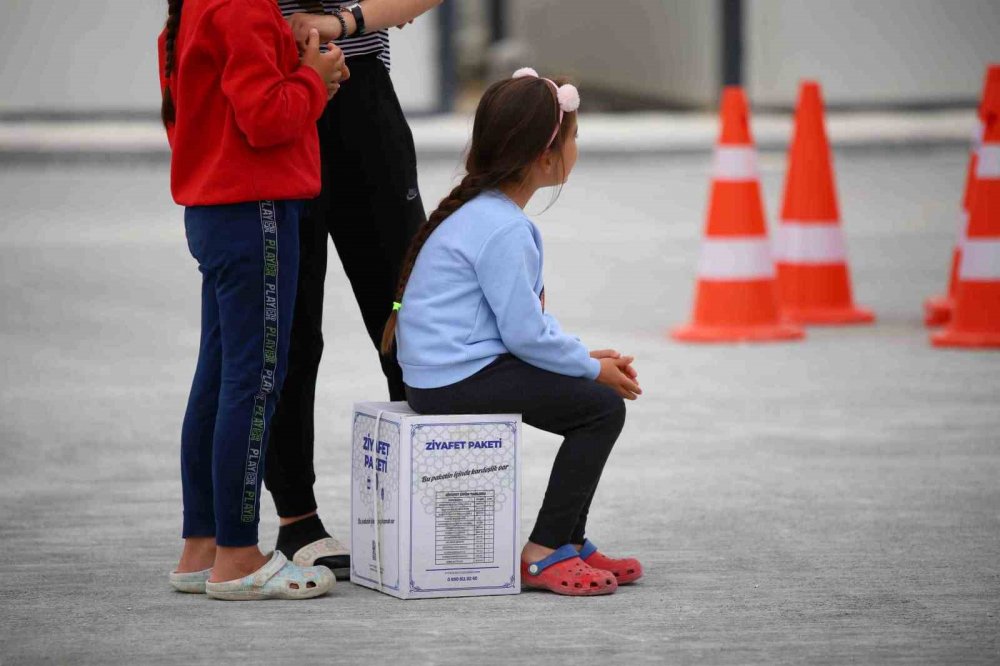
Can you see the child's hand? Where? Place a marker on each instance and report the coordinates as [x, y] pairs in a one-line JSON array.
[[330, 65], [612, 353], [613, 374]]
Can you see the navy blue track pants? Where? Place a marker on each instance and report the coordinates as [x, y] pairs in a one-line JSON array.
[[248, 255]]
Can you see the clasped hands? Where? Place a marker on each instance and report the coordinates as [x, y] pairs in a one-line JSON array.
[[617, 373]]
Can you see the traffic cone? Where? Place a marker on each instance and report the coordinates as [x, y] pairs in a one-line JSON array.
[[975, 320], [814, 284], [736, 299], [937, 309]]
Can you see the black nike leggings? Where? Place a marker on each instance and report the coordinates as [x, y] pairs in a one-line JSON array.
[[588, 415], [371, 207]]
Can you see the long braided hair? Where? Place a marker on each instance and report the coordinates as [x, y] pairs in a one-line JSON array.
[[168, 113], [513, 125]]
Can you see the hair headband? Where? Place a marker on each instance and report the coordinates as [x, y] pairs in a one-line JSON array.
[[567, 97]]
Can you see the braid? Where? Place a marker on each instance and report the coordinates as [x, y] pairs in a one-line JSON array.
[[511, 131], [470, 187], [167, 111]]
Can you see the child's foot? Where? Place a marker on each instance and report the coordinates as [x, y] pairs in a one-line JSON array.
[[563, 572], [307, 543], [198, 555], [195, 565], [192, 582], [626, 570], [235, 563], [532, 552], [277, 579]]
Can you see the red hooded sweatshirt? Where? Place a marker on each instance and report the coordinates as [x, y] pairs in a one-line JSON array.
[[245, 126]]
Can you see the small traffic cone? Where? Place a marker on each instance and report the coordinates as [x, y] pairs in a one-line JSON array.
[[937, 309], [975, 320], [736, 299], [814, 284]]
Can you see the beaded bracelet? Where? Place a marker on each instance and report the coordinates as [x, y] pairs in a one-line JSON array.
[[343, 23]]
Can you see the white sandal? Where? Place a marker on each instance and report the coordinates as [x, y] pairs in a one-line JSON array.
[[331, 548], [278, 579], [191, 582]]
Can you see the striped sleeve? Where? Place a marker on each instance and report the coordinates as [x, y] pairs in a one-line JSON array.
[[372, 42]]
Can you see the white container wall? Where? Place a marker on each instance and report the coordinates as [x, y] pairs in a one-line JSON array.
[[80, 56], [100, 55]]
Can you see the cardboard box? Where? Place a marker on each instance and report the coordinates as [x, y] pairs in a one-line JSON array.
[[435, 503]]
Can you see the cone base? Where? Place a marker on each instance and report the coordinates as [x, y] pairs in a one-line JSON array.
[[937, 310], [828, 316], [967, 339], [719, 334]]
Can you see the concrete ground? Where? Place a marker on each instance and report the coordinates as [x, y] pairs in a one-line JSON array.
[[828, 501]]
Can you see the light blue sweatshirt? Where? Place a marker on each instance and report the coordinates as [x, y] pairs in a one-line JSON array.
[[474, 294]]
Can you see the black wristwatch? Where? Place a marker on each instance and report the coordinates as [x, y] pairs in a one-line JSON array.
[[359, 18]]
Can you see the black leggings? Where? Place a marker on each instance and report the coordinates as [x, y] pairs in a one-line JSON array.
[[371, 207], [589, 415]]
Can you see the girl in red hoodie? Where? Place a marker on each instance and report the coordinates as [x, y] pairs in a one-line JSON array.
[[240, 111]]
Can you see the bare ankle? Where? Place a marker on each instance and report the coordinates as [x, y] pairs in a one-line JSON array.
[[532, 552], [294, 519], [234, 563], [198, 554]]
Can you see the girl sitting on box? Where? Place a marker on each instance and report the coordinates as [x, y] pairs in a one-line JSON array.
[[474, 336]]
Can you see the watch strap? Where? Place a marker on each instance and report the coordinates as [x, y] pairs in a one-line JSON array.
[[359, 18]]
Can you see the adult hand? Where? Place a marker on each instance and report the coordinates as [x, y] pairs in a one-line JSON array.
[[330, 65], [302, 24], [613, 375], [403, 25]]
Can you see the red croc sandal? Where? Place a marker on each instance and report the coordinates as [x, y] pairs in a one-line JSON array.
[[626, 569], [563, 572]]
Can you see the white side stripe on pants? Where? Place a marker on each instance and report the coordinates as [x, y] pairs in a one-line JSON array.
[[809, 243], [740, 258]]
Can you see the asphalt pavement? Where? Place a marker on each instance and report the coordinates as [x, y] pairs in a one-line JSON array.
[[826, 501]]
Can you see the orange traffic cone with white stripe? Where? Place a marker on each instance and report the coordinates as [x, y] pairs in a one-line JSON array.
[[937, 309], [814, 284], [975, 320], [736, 298]]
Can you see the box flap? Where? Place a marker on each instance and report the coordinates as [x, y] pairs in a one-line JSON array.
[[396, 408]]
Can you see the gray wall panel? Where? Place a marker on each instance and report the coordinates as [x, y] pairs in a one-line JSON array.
[[871, 51], [659, 49]]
